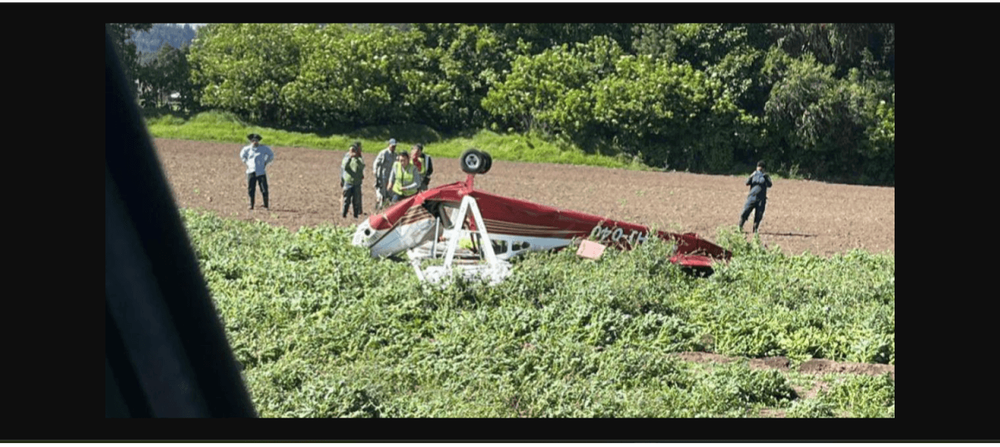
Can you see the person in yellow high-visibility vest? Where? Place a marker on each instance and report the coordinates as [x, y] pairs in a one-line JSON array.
[[404, 180]]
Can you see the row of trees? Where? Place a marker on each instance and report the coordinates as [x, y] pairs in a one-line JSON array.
[[155, 60], [176, 35], [121, 37], [816, 98]]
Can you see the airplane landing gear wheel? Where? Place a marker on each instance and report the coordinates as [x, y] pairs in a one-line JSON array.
[[487, 162], [472, 161]]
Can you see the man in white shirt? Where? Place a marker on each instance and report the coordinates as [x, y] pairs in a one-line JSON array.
[[257, 158]]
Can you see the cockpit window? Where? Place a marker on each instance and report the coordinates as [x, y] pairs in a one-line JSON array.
[[499, 247]]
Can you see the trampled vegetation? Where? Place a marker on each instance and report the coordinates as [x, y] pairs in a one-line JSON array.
[[323, 330]]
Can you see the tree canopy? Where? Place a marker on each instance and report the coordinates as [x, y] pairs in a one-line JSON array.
[[815, 99]]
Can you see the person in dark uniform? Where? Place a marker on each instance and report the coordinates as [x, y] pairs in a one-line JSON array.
[[347, 155], [353, 169], [257, 158], [757, 200], [424, 165]]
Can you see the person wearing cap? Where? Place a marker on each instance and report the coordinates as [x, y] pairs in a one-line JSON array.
[[347, 155], [424, 165], [354, 172], [758, 182], [404, 178], [257, 158], [381, 168]]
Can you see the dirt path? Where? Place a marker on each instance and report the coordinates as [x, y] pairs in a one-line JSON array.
[[821, 218], [814, 367]]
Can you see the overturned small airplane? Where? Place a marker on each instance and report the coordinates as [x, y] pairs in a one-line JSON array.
[[495, 229]]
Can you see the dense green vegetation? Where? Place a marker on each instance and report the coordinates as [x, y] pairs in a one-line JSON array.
[[323, 330], [816, 100], [225, 127]]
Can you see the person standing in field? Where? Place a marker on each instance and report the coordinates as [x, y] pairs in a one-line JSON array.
[[381, 168], [347, 155], [404, 178], [424, 165], [353, 168], [759, 181], [257, 158]]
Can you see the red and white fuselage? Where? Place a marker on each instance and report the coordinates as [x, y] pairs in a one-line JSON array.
[[514, 226]]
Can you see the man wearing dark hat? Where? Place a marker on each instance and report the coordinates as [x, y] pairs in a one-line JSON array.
[[257, 157], [758, 182]]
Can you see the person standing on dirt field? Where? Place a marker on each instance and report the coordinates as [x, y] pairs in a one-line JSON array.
[[347, 155], [424, 165], [382, 167], [257, 158], [404, 178], [354, 172], [757, 200]]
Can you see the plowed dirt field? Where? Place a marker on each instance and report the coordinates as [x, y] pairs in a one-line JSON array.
[[820, 218]]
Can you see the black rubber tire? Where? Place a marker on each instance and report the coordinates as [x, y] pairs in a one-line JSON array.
[[471, 161], [487, 162]]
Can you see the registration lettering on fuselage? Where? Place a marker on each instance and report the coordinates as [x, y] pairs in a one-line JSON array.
[[616, 235]]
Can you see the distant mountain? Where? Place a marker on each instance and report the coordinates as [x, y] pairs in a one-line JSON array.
[[174, 34]]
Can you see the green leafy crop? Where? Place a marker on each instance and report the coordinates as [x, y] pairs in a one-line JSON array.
[[323, 330]]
